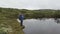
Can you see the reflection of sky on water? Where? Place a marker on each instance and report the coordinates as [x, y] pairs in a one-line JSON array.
[[33, 26]]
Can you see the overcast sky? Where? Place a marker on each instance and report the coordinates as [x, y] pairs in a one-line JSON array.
[[31, 4]]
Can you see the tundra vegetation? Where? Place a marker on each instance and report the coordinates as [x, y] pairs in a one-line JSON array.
[[8, 16]]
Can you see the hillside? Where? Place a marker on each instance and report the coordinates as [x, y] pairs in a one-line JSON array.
[[11, 13]]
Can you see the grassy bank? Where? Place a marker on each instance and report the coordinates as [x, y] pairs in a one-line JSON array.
[[8, 22], [10, 26]]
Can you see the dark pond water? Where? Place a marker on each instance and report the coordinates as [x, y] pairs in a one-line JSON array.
[[44, 26]]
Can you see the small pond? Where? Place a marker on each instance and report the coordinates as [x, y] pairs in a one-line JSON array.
[[43, 26]]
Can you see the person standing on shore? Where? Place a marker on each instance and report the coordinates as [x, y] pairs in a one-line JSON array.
[[21, 18]]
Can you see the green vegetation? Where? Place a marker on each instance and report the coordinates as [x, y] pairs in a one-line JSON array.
[[8, 16], [43, 13], [10, 26], [8, 22]]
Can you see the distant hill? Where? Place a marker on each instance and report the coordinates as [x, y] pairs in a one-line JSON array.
[[11, 13]]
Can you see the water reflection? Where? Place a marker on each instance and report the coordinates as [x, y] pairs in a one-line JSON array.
[[44, 26], [57, 20]]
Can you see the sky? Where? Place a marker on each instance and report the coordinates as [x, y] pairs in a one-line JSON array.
[[30, 4]]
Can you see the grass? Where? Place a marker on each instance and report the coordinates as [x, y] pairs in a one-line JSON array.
[[11, 26], [8, 22]]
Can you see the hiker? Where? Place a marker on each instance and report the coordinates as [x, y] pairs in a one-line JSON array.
[[21, 18]]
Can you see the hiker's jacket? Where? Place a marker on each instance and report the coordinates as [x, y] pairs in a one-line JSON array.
[[21, 17]]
